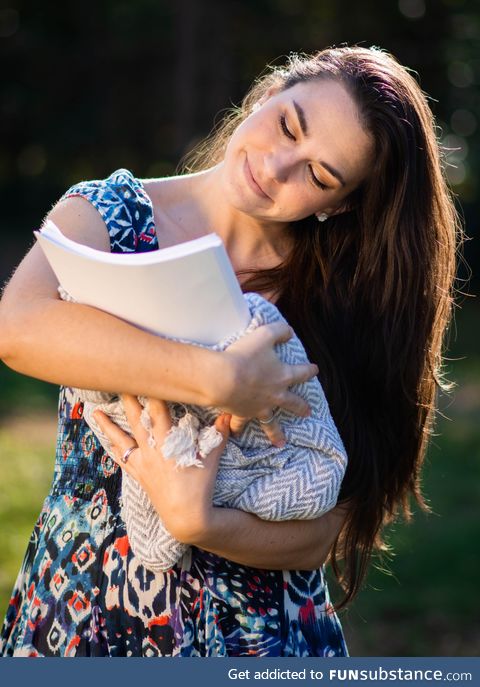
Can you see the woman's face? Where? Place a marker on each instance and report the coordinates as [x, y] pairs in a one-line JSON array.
[[302, 150]]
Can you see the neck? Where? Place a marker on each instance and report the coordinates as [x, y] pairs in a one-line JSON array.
[[250, 241]]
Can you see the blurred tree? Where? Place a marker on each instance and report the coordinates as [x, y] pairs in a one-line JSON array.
[[87, 89]]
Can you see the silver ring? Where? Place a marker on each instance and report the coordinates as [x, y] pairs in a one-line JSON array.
[[127, 453], [270, 419]]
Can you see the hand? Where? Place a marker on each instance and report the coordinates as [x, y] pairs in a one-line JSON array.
[[261, 380], [181, 496]]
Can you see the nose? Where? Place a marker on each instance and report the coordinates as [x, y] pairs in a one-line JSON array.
[[279, 165]]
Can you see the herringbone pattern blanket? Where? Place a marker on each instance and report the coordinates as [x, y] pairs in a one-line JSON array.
[[299, 481]]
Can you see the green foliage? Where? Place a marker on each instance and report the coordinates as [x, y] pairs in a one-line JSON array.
[[141, 82], [426, 605], [24, 394], [27, 448]]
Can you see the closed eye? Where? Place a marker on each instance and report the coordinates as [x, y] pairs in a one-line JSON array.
[[285, 129], [317, 181], [291, 136]]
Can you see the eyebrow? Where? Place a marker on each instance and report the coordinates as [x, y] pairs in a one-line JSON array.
[[304, 127], [301, 117]]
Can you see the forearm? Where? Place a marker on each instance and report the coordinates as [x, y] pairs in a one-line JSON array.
[[75, 345], [248, 540]]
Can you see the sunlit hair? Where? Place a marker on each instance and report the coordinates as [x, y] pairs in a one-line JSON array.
[[369, 291]]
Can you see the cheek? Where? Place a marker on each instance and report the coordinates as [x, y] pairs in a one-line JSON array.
[[242, 133], [302, 199], [294, 206], [229, 152]]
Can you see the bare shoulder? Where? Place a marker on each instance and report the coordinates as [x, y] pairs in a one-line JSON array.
[[34, 279], [78, 219]]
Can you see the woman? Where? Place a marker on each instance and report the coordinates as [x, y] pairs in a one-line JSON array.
[[327, 189]]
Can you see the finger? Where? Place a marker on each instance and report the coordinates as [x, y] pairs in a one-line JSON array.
[[237, 423], [222, 425], [160, 416], [294, 404], [279, 332], [302, 373], [274, 433], [133, 410], [119, 439]]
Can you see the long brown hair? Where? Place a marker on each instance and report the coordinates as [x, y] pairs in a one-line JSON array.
[[369, 292]]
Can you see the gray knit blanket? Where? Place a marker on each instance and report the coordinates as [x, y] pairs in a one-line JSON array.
[[299, 481]]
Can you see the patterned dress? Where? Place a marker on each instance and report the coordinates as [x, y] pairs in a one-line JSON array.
[[82, 592]]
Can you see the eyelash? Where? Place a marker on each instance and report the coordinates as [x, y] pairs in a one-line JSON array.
[[285, 129], [288, 134]]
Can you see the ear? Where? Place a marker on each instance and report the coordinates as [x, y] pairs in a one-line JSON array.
[[346, 206], [350, 203]]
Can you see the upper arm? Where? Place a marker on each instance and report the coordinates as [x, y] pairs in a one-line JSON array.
[[78, 220], [34, 280]]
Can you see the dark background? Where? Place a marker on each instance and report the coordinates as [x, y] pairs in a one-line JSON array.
[[91, 87]]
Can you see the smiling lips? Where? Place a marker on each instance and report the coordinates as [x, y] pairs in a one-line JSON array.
[[254, 185]]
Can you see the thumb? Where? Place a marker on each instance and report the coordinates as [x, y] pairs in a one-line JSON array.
[[237, 423], [222, 425]]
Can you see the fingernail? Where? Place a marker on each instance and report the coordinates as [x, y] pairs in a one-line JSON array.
[[280, 444]]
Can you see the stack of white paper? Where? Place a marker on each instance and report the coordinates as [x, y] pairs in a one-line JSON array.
[[188, 291]]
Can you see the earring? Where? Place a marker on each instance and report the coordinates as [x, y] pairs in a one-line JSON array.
[[321, 216], [256, 107]]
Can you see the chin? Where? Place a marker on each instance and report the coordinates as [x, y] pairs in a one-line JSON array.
[[238, 197]]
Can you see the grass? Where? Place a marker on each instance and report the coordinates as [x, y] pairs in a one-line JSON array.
[[427, 605], [27, 446], [24, 395]]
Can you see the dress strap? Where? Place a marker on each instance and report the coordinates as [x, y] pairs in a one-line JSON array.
[[125, 208]]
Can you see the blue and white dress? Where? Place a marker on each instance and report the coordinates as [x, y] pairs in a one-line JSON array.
[[82, 592]]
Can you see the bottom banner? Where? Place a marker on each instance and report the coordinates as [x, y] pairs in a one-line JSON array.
[[239, 672]]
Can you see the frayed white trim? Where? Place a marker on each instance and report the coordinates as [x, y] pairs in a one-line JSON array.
[[181, 442], [146, 422], [208, 439]]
